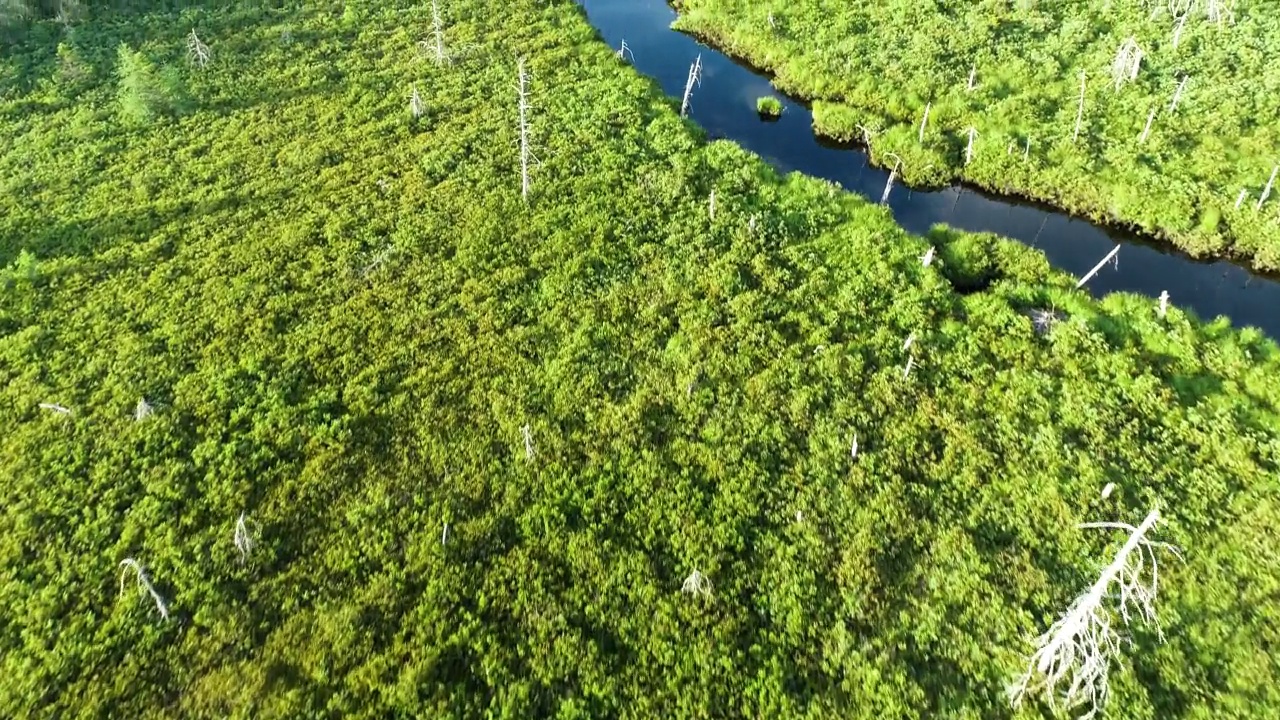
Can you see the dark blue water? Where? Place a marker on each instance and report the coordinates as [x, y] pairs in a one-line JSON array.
[[725, 106]]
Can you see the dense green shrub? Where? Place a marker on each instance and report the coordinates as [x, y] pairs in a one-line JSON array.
[[769, 106], [344, 320], [145, 91], [879, 64]]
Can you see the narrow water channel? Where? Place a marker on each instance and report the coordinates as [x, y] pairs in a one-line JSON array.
[[725, 106]]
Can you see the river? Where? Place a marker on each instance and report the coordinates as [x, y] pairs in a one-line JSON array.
[[724, 104]]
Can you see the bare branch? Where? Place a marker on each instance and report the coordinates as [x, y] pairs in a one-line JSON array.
[[1077, 649], [696, 584], [527, 433], [197, 51], [244, 542], [144, 584], [1097, 267], [695, 78]]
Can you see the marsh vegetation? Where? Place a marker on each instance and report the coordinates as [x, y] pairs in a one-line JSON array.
[[1144, 114], [523, 399]]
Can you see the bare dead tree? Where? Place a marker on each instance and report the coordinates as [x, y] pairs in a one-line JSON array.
[[197, 51], [1164, 303], [1079, 108], [927, 258], [968, 151], [1266, 192], [416, 106], [527, 434], [1177, 28], [54, 407], [1220, 11], [437, 35], [924, 121], [1077, 649], [973, 79], [867, 134], [142, 410], [1244, 192], [711, 205], [144, 584], [1146, 131], [624, 52], [1177, 94], [522, 89], [242, 539], [696, 584], [888, 186], [1097, 267], [695, 78], [1127, 63], [1043, 320]]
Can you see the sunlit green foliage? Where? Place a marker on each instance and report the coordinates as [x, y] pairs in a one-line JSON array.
[[343, 316], [142, 90], [877, 64]]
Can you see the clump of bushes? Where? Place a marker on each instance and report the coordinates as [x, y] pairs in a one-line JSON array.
[[144, 90], [769, 107]]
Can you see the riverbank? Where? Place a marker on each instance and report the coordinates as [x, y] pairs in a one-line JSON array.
[[1180, 184], [725, 104]]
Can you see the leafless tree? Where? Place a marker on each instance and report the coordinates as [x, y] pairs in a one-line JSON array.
[[436, 45], [1043, 320], [1177, 94], [527, 434], [243, 540], [696, 584], [1146, 131], [695, 78], [1079, 108], [1127, 63], [1097, 267], [893, 174], [197, 51], [1072, 658], [526, 155], [416, 105], [144, 584], [1266, 192], [927, 258]]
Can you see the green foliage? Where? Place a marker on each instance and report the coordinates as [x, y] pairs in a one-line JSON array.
[[769, 106], [878, 64], [144, 91], [343, 320]]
